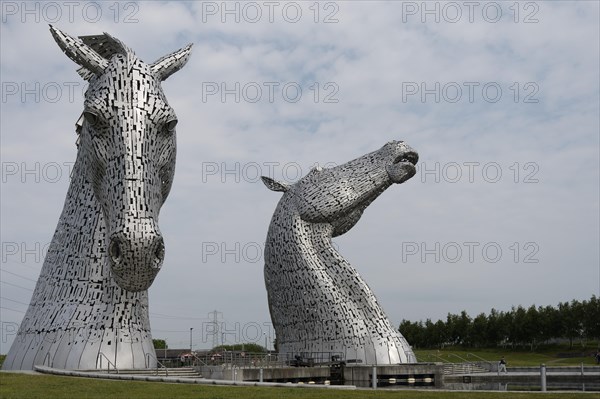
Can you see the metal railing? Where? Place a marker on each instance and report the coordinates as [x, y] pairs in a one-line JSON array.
[[434, 356], [197, 359], [102, 355], [158, 363], [459, 357], [491, 365], [464, 366], [232, 360], [237, 359]]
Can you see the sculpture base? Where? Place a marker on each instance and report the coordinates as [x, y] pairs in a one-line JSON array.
[[414, 374]]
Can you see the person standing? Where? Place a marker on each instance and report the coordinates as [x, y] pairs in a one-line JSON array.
[[502, 365]]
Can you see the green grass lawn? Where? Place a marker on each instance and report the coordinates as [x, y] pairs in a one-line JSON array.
[[548, 355], [29, 386], [15, 385]]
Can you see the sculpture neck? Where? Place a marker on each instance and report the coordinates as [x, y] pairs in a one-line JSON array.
[[80, 226], [79, 243]]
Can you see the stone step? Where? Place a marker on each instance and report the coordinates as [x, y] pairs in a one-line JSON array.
[[463, 368]]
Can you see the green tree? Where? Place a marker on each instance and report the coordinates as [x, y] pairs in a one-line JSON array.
[[452, 328], [517, 334], [532, 332], [571, 315], [414, 333], [159, 344], [435, 334], [550, 323], [577, 308], [496, 329], [479, 331], [441, 332], [520, 326], [464, 328], [591, 318], [246, 347]]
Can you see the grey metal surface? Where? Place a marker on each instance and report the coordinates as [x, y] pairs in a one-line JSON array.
[[89, 308], [318, 301]]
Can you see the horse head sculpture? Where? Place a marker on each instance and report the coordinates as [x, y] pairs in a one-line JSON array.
[[127, 136], [339, 195], [318, 302], [89, 309]]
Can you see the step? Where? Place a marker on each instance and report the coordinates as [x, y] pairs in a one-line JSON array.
[[463, 368]]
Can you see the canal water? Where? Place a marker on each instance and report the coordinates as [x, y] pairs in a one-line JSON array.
[[486, 386]]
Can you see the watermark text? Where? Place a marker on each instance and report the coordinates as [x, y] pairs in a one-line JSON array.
[[52, 12], [469, 251]]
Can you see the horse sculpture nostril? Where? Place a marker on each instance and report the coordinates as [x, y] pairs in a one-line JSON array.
[[159, 252], [412, 157], [114, 250]]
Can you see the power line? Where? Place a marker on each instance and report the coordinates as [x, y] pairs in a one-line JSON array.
[[14, 310], [172, 317], [21, 264], [15, 285], [18, 275], [12, 300]]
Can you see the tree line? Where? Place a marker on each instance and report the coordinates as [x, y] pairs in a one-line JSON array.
[[519, 327]]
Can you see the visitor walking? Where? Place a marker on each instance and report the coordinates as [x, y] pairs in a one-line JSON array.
[[502, 365]]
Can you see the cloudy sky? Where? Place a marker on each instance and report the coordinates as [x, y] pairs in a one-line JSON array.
[[500, 99]]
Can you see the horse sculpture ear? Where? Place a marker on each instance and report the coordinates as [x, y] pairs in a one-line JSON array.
[[274, 185], [169, 64], [79, 52]]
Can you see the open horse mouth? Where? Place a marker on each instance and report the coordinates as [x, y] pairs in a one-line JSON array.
[[403, 167]]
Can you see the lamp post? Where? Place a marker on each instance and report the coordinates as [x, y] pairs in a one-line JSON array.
[[191, 328], [266, 348]]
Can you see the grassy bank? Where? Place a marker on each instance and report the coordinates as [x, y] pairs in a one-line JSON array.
[[16, 386], [551, 355]]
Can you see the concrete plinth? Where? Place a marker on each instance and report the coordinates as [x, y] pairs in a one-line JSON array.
[[412, 374], [417, 374], [279, 374]]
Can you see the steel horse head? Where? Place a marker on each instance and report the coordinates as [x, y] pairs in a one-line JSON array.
[[127, 140], [317, 300]]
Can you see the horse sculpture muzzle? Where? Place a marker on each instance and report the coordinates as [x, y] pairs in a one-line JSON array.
[[403, 166], [135, 259]]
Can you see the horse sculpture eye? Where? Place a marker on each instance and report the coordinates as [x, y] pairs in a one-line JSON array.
[[90, 117], [171, 125]]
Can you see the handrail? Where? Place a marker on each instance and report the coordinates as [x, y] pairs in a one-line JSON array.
[[100, 355], [461, 358], [439, 357], [480, 358], [198, 359], [157, 363]]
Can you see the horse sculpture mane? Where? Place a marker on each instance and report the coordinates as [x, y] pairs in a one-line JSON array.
[[318, 302], [89, 308]]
